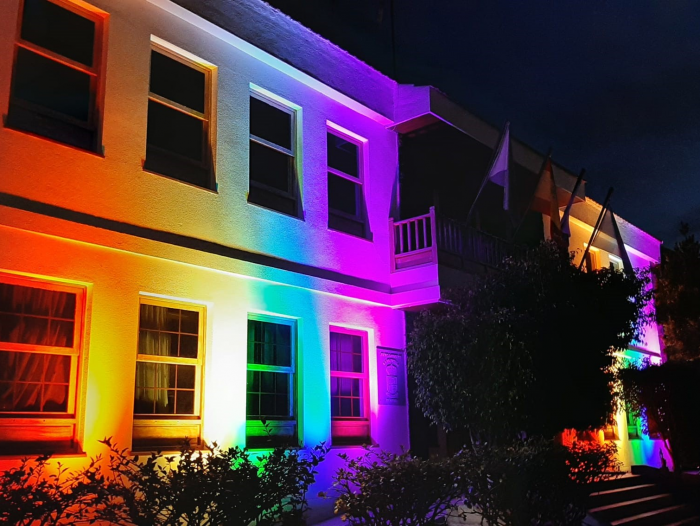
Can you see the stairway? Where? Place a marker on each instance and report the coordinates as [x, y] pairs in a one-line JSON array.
[[632, 500]]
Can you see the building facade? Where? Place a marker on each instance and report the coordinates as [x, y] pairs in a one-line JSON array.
[[208, 229]]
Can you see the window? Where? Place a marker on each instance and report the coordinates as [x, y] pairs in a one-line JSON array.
[[346, 209], [270, 403], [615, 263], [273, 177], [179, 108], [167, 400], [349, 383], [40, 343], [57, 70]]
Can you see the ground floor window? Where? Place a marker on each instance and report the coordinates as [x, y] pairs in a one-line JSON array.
[[349, 387], [271, 382], [168, 385], [40, 355]]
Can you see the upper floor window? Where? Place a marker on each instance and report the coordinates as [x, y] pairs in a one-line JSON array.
[[273, 175], [346, 204], [615, 263], [167, 400], [178, 141], [271, 404], [592, 259], [57, 73], [40, 344], [349, 387]]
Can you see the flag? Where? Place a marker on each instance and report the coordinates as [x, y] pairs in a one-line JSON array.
[[626, 263], [546, 194], [499, 172]]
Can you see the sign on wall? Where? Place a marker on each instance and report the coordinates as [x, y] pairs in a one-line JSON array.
[[391, 376]]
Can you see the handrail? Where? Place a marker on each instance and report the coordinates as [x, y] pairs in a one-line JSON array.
[[417, 240]]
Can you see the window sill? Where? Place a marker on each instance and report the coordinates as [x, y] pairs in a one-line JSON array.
[[369, 237], [267, 208], [35, 452], [98, 154]]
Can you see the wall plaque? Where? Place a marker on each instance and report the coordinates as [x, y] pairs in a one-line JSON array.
[[391, 376]]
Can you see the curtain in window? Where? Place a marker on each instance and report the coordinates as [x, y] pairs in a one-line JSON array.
[[34, 381], [153, 379]]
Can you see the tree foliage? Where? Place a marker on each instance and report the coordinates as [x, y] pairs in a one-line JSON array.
[[667, 395], [677, 298], [528, 349]]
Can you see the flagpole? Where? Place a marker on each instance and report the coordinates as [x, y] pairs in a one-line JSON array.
[[534, 192], [567, 211], [494, 156], [596, 229]]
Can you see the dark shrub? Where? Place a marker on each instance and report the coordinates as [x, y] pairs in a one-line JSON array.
[[533, 482], [379, 488]]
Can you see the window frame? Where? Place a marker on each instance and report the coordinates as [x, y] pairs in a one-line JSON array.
[[163, 425], [615, 263], [73, 414], [291, 370], [293, 180], [359, 181], [594, 258], [357, 430], [207, 163], [96, 74]]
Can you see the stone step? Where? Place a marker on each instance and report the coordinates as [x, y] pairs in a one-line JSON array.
[[629, 508], [659, 517], [625, 481], [613, 496]]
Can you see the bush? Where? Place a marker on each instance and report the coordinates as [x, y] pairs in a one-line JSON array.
[[533, 482], [31, 494], [667, 397], [216, 487], [380, 488]]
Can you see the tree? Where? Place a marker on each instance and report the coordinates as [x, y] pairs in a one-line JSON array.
[[529, 349], [677, 298], [667, 397]]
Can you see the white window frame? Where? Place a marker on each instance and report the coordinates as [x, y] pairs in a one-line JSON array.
[[615, 263], [95, 71], [25, 427], [291, 370], [177, 425], [293, 110], [361, 143], [163, 47], [349, 427]]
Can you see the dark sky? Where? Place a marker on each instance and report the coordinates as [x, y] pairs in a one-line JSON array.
[[612, 86]]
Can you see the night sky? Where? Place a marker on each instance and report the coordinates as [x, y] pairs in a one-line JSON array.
[[611, 86]]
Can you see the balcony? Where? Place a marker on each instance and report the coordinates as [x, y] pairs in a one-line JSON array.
[[432, 239]]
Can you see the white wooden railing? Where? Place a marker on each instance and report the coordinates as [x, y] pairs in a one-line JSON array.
[[416, 241]]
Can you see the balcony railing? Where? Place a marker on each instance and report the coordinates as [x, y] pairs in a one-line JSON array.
[[419, 240]]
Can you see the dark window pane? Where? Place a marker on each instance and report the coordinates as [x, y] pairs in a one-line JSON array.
[[267, 405], [185, 403], [51, 85], [186, 376], [178, 82], [345, 407], [356, 411], [269, 343], [189, 346], [190, 322], [253, 404], [343, 195], [175, 131], [270, 123], [270, 167], [343, 155], [59, 30], [282, 405], [335, 407], [144, 401]]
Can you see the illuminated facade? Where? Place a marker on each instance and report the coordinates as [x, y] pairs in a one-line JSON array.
[[195, 231]]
